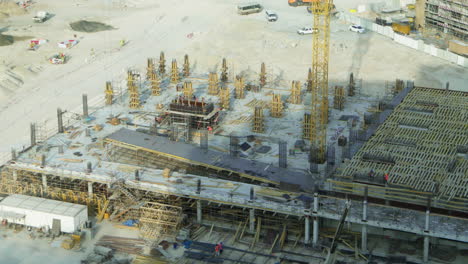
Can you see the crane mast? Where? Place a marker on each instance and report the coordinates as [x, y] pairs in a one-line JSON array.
[[320, 57]]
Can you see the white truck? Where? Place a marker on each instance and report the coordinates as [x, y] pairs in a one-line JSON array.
[[41, 16]]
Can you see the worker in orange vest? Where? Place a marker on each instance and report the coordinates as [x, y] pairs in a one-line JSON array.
[[386, 177]]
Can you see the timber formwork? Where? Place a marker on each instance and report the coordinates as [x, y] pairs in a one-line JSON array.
[[422, 147], [122, 152], [196, 114]]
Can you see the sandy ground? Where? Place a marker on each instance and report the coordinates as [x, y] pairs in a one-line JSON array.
[[31, 89]]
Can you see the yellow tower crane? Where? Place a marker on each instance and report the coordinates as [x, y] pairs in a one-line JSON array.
[[320, 56]]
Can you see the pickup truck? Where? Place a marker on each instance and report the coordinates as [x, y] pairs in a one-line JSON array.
[[41, 16]]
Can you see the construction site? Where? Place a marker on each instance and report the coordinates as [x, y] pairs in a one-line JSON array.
[[235, 163]]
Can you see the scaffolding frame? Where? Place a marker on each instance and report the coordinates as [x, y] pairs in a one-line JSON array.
[[188, 90], [134, 95], [174, 72], [224, 71], [162, 64], [186, 71], [109, 93], [239, 87], [277, 106], [158, 220], [339, 98], [149, 68], [225, 97], [262, 75], [258, 121], [155, 84], [295, 97], [213, 84]]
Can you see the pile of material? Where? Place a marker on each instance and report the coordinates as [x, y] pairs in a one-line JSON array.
[[10, 8], [104, 255], [89, 26], [123, 244]]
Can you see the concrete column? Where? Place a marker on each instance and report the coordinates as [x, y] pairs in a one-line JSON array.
[[15, 175], [426, 249], [426, 238], [199, 211], [44, 182], [252, 220], [315, 234], [85, 106], [33, 134], [364, 227], [307, 230], [13, 155], [426, 225], [364, 238], [90, 190], [60, 120]]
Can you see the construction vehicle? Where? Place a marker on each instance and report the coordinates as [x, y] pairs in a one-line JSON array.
[[300, 2], [250, 8], [41, 17], [401, 28]]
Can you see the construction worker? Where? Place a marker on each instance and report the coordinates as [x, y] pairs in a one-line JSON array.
[[220, 248], [122, 42], [386, 178], [217, 250]]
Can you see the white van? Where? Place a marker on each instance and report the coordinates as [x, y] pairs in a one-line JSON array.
[[271, 16], [250, 8]]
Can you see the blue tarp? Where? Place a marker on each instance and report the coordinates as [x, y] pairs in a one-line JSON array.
[[130, 222]]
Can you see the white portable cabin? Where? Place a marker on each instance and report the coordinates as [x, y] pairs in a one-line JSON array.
[[40, 212]]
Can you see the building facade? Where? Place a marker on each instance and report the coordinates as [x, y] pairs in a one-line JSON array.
[[448, 16]]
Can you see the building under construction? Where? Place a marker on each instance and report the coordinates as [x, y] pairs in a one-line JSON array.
[[447, 16], [402, 172]]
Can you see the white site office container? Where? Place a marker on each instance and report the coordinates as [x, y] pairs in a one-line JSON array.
[[40, 212]]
